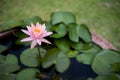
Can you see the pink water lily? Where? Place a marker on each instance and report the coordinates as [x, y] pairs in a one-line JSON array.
[[36, 34]]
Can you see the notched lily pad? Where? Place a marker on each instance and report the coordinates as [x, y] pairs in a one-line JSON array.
[[7, 76], [65, 17], [62, 62], [29, 57], [28, 74], [104, 60], [3, 48]]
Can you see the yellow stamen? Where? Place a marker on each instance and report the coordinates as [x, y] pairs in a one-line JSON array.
[[37, 30]]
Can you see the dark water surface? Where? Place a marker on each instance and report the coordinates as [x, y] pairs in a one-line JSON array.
[[76, 71]]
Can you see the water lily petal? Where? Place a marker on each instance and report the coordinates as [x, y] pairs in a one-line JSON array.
[[38, 41], [47, 34], [26, 32], [33, 44], [46, 41], [26, 39]]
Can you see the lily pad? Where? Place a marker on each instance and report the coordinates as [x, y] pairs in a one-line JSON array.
[[88, 55], [60, 30], [103, 61], [6, 68], [10, 58], [2, 58], [62, 44], [73, 35], [7, 76], [27, 74], [64, 17], [2, 48], [84, 33], [50, 57], [62, 62], [29, 57], [107, 77]]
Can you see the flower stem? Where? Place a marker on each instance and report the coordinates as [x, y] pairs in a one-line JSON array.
[[39, 55]]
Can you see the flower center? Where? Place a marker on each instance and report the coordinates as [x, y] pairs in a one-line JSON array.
[[37, 30]]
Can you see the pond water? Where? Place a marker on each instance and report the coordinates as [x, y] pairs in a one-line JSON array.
[[76, 71]]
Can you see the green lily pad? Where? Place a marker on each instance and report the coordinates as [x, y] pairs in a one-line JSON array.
[[72, 53], [10, 58], [107, 77], [29, 57], [84, 33], [6, 68], [50, 57], [2, 48], [76, 45], [60, 30], [73, 35], [27, 74], [2, 58], [64, 17], [7, 76], [62, 44], [62, 62], [88, 55], [103, 61]]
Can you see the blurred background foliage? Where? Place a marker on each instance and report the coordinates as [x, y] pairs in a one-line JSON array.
[[101, 16]]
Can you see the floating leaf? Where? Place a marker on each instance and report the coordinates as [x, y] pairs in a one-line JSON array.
[[62, 44], [72, 53], [33, 20], [10, 58], [107, 77], [6, 68], [29, 57], [103, 61], [50, 57], [28, 74], [2, 58], [65, 17], [115, 68], [62, 62], [76, 45], [88, 55], [3, 48], [48, 26], [60, 30], [84, 33], [7, 77], [73, 32]]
